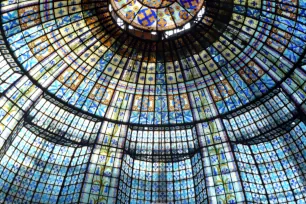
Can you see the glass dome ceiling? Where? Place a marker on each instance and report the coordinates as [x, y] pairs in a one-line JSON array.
[[138, 101]]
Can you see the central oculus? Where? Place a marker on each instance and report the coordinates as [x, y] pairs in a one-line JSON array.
[[157, 15], [157, 3]]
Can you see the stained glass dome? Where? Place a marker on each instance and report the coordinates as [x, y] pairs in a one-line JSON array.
[[163, 101]]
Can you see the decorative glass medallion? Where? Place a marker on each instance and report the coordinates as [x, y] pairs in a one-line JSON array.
[[157, 15], [157, 3]]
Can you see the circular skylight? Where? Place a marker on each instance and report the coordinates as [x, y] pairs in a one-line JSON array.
[[157, 15], [157, 3]]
